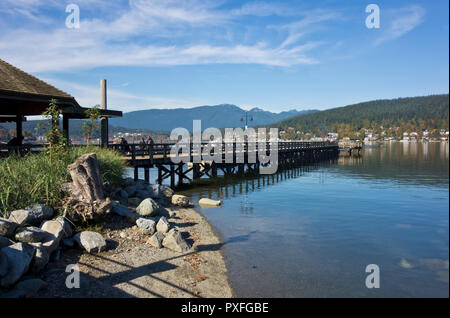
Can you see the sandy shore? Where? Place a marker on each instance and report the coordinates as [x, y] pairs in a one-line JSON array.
[[132, 268]]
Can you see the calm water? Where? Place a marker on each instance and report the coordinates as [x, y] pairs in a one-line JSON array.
[[311, 232]]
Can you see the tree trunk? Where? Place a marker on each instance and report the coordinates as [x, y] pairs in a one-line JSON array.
[[87, 183]]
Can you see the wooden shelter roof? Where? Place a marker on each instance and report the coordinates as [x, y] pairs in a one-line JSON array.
[[24, 94]]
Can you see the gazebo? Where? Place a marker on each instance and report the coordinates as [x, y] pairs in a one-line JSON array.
[[22, 94]]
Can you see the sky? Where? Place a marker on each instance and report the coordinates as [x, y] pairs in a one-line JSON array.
[[275, 55]]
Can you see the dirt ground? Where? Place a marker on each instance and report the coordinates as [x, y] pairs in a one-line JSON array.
[[132, 268]]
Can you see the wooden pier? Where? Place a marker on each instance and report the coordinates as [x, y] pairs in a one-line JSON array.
[[290, 154], [351, 147]]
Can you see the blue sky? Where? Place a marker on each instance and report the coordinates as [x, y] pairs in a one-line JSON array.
[[276, 55]]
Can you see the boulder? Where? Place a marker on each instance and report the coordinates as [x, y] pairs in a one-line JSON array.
[[180, 200], [123, 194], [209, 202], [32, 215], [19, 256], [130, 190], [148, 207], [56, 231], [40, 259], [134, 201], [175, 242], [147, 226], [163, 225], [122, 210], [128, 182], [4, 241], [156, 240], [31, 234], [7, 227], [143, 194], [67, 228], [92, 242], [159, 191]]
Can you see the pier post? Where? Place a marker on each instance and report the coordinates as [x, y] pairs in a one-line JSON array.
[[146, 175]]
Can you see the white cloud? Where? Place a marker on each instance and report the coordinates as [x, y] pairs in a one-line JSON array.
[[119, 99], [143, 34], [402, 21]]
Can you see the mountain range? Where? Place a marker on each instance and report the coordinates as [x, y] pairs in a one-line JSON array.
[[219, 116]]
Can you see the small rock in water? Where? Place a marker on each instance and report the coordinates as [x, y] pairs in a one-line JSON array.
[[92, 242], [209, 202], [146, 225], [162, 225]]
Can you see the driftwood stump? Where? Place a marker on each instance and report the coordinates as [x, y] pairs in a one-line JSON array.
[[87, 183], [87, 201]]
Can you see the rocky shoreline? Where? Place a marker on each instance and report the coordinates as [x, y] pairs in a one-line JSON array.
[[146, 242]]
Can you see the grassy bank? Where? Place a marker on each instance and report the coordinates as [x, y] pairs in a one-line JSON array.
[[35, 179]]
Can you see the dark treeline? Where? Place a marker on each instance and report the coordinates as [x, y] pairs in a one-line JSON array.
[[408, 114]]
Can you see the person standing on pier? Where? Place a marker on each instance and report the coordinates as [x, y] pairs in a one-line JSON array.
[[150, 143]]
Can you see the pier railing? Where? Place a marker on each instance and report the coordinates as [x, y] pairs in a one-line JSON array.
[[162, 151]]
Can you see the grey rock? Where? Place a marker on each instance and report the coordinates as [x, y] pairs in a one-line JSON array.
[[31, 234], [162, 225], [56, 231], [122, 210], [147, 226], [123, 194], [159, 191], [180, 200], [4, 241], [19, 256], [131, 190], [143, 194], [7, 227], [156, 240], [32, 215], [175, 242], [128, 182], [147, 207], [67, 228], [133, 201], [40, 259], [209, 202], [92, 242]]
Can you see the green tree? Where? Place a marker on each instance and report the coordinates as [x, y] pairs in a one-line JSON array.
[[90, 126]]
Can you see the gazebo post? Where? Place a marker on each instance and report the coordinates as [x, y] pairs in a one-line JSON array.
[[66, 126], [103, 120], [19, 132]]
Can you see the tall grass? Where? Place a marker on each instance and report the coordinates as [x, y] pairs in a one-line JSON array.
[[35, 179]]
